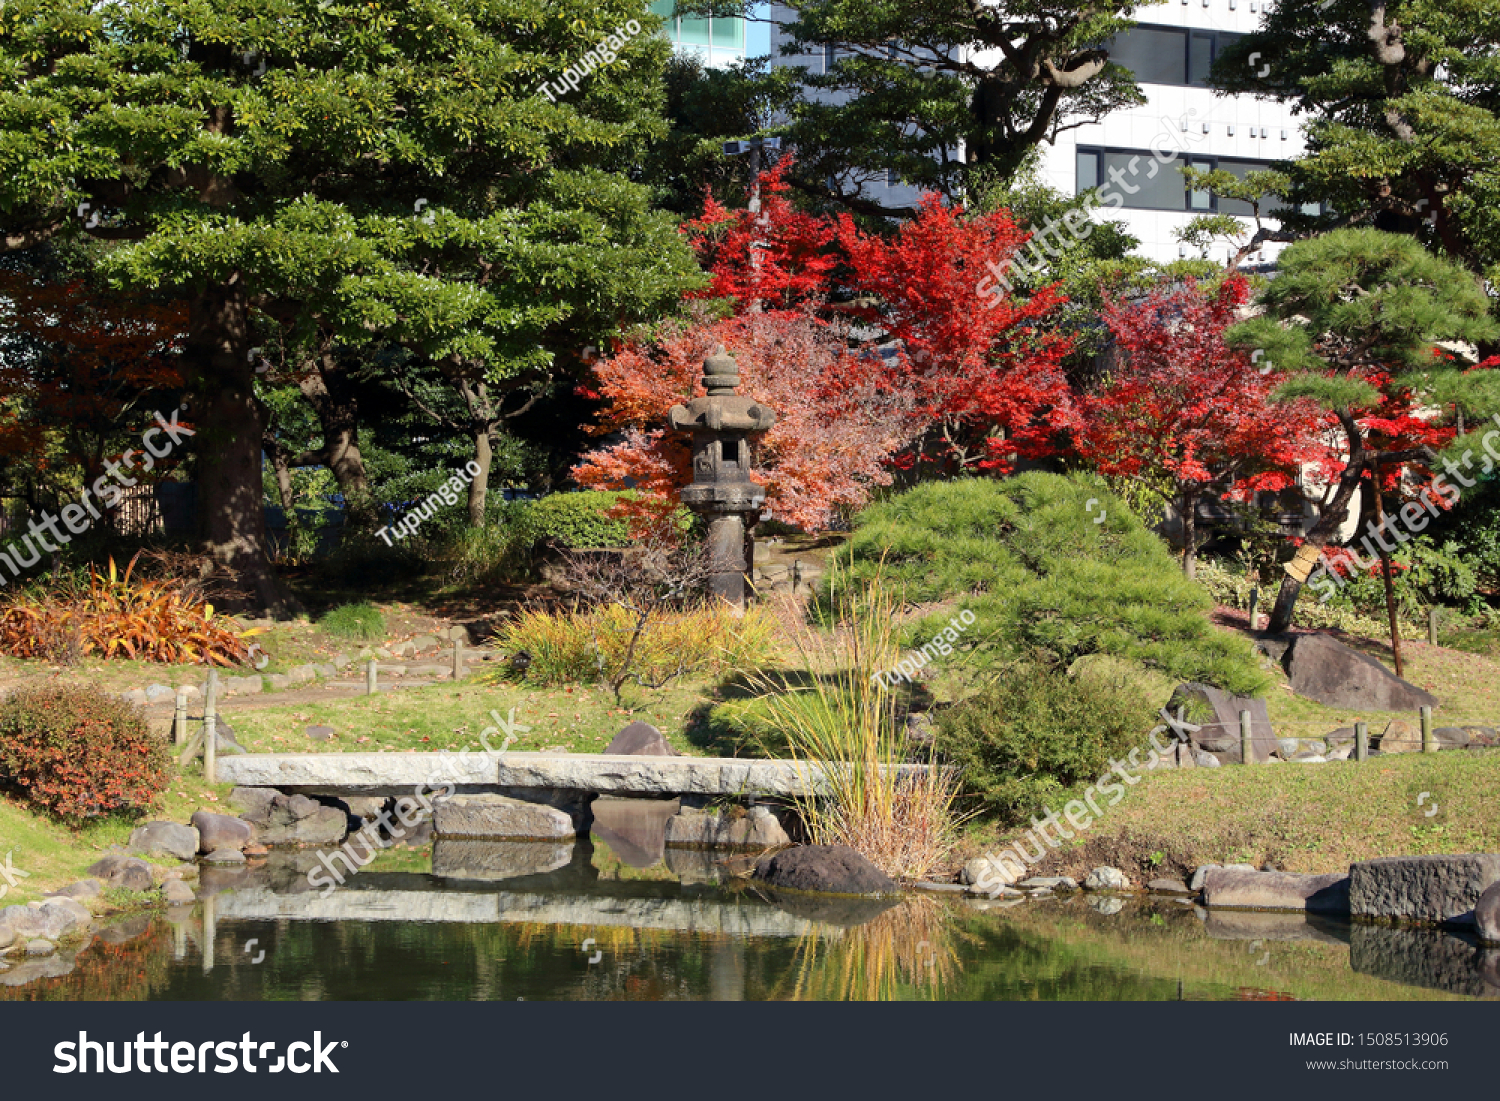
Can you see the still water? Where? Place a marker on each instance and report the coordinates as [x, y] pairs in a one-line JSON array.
[[617, 917]]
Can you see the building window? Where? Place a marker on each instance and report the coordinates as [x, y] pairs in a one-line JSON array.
[[1120, 170], [719, 41], [1168, 55], [830, 55]]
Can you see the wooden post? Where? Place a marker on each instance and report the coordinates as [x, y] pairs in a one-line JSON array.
[[211, 694], [1254, 606], [1247, 757], [1429, 743], [1432, 626], [1361, 741], [458, 659], [211, 748], [371, 677], [179, 719]]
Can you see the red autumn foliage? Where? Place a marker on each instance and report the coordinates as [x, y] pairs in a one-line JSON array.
[[949, 378], [985, 372], [78, 752], [840, 415], [796, 259], [83, 356], [1186, 414]]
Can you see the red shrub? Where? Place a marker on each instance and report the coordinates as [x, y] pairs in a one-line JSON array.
[[78, 752]]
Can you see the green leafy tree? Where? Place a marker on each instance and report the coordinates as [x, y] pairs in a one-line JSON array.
[[1403, 133], [910, 82], [444, 177], [1347, 310]]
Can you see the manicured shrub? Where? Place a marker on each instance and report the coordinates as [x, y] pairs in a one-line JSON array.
[[1038, 731], [77, 752], [1026, 556], [362, 622], [578, 520]]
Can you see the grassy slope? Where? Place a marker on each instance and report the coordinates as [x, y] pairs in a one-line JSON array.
[[582, 719]]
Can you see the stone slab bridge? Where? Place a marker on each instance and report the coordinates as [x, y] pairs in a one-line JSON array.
[[549, 795]]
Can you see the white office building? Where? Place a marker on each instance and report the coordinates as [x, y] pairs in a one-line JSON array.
[[1170, 50]]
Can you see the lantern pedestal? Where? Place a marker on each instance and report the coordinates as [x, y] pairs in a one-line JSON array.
[[722, 424]]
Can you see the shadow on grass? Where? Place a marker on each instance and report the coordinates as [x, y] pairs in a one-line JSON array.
[[729, 724]]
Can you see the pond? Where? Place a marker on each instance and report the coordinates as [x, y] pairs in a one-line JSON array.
[[615, 916]]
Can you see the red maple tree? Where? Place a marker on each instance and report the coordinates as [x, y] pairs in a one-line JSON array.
[[1186, 415], [840, 415], [984, 370]]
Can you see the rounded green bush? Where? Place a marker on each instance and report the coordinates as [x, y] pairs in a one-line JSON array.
[[1037, 731], [362, 622], [1028, 558]]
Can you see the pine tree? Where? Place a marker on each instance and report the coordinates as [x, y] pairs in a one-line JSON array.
[[445, 176]]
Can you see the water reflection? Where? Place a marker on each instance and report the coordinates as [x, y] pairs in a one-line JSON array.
[[620, 917]]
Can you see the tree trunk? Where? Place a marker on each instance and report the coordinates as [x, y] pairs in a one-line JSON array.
[[332, 397], [482, 421], [231, 516], [1189, 535], [479, 487], [1323, 531]]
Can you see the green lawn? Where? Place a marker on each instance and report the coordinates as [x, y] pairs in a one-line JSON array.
[[580, 719]]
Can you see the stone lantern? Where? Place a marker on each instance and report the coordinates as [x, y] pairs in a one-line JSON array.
[[722, 492]]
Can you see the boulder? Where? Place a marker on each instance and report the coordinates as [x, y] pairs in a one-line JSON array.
[[1451, 737], [252, 802], [424, 642], [276, 682], [1400, 736], [225, 739], [1204, 759], [1199, 874], [53, 919], [707, 830], [1106, 879], [497, 817], [83, 888], [160, 693], [176, 892], [1252, 890], [127, 872], [7, 931], [1322, 668], [365, 807], [1219, 722], [1487, 914], [640, 739], [164, 839], [826, 869], [219, 831], [298, 820], [320, 733], [1444, 888], [988, 873]]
